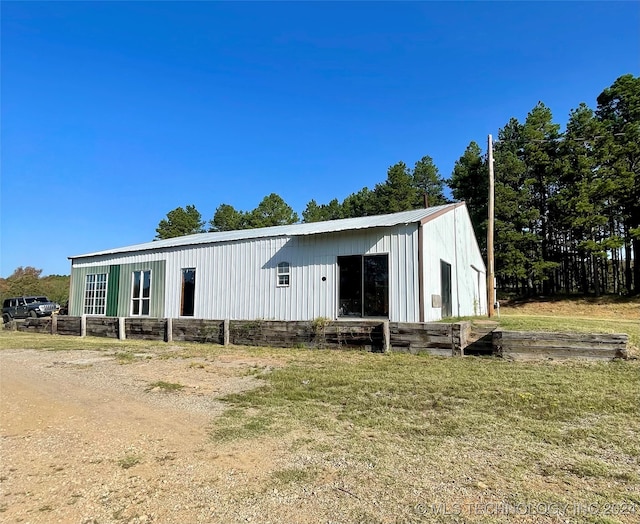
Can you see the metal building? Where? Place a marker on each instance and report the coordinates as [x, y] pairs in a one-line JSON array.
[[413, 266]]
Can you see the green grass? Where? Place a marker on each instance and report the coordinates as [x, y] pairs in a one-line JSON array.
[[164, 386], [293, 475], [21, 340], [414, 395], [129, 460], [124, 357]]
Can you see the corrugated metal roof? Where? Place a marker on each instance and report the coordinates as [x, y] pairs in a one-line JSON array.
[[312, 228]]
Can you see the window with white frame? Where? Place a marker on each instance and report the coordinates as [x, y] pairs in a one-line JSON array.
[[141, 292], [284, 274], [95, 294]]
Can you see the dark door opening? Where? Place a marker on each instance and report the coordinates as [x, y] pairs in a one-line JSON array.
[[364, 286], [445, 288], [187, 297]]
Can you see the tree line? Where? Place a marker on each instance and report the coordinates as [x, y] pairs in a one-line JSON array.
[[28, 281], [567, 203], [403, 189]]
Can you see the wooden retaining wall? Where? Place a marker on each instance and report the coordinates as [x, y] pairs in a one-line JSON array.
[[198, 330], [455, 339], [100, 326], [35, 325], [350, 335], [145, 328], [480, 338], [520, 345], [68, 325], [315, 334], [433, 338]]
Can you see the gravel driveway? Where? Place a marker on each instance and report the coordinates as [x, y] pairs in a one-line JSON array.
[[89, 438]]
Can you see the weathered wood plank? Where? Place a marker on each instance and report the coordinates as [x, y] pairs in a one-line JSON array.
[[35, 325], [198, 330], [145, 328], [68, 325], [434, 337], [308, 334], [560, 355], [401, 330], [417, 337], [102, 327], [544, 335], [531, 345], [558, 343]]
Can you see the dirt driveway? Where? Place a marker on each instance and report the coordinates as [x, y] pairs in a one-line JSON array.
[[87, 437]]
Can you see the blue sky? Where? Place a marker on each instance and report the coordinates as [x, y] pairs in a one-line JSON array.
[[115, 113]]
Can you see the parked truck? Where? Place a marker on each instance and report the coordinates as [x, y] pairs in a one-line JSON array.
[[23, 307]]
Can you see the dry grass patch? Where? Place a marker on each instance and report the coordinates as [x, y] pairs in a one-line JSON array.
[[388, 432], [606, 307]]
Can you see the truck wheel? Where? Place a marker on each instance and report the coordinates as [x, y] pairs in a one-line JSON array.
[[33, 314], [6, 318]]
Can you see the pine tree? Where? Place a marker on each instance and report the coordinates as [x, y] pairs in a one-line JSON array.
[[271, 211], [180, 222], [619, 111], [397, 193], [513, 215], [227, 218], [426, 180], [470, 182]]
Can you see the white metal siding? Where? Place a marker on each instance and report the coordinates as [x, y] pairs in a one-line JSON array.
[[238, 279], [450, 237]]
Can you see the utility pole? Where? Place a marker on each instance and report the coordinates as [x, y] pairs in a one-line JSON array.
[[490, 265]]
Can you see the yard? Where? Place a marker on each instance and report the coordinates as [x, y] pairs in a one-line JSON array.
[[97, 430]]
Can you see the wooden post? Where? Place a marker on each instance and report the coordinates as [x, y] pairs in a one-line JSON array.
[[122, 334], [54, 324], [169, 330], [225, 331], [490, 226], [496, 343], [83, 326], [459, 333], [386, 336]]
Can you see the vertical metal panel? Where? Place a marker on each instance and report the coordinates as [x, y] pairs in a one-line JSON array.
[[78, 282], [112, 290], [156, 304], [438, 243], [450, 237], [471, 292]]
